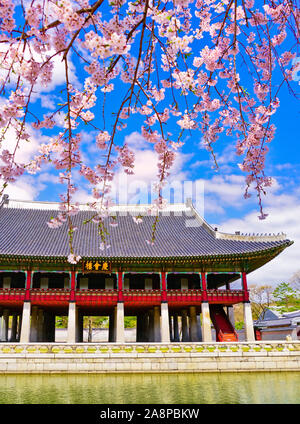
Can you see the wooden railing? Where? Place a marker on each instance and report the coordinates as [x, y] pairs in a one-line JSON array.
[[142, 296], [226, 295], [130, 295], [96, 296], [49, 295], [12, 294], [188, 296]]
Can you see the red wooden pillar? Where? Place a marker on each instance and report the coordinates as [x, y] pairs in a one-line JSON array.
[[28, 285], [245, 287], [120, 287], [204, 288], [73, 286], [163, 286]]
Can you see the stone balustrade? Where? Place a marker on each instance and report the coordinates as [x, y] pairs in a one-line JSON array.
[[149, 357], [215, 349]]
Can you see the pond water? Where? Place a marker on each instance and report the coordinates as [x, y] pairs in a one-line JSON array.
[[202, 388]]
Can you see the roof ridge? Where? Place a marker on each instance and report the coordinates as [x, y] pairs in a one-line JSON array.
[[125, 207], [251, 237], [199, 218]]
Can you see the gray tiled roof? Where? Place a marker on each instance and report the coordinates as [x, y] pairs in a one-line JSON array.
[[24, 232], [274, 323], [268, 315], [294, 314]]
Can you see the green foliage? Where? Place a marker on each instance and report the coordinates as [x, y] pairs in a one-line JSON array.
[[130, 322], [239, 325], [61, 322], [286, 298], [96, 322]]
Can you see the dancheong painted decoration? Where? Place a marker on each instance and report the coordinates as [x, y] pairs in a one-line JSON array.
[[179, 288]]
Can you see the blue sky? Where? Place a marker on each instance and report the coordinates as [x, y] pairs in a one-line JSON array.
[[221, 201]]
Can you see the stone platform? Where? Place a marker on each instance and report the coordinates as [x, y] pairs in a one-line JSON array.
[[149, 357]]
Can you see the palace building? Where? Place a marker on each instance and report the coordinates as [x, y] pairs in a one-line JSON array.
[[178, 287]]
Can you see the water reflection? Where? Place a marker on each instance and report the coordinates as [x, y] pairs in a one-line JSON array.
[[211, 388]]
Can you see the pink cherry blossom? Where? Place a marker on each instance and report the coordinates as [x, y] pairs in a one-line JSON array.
[[178, 67], [137, 219], [73, 259]]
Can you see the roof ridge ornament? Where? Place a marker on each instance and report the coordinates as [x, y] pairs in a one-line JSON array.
[[251, 237], [189, 202], [121, 209], [4, 200]]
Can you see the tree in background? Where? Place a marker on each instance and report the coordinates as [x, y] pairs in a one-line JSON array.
[[261, 298], [286, 298]]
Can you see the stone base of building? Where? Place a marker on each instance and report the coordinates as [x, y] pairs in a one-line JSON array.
[[149, 358]]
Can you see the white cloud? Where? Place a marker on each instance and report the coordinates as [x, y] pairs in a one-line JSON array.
[[284, 219], [25, 188], [213, 205], [137, 187], [223, 195], [82, 196], [224, 190], [58, 73], [46, 178], [284, 166], [229, 189], [136, 141], [26, 149], [47, 102], [228, 155], [202, 163]]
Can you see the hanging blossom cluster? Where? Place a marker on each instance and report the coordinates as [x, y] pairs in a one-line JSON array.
[[191, 65]]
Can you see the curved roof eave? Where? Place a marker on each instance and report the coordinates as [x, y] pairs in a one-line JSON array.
[[254, 253]]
